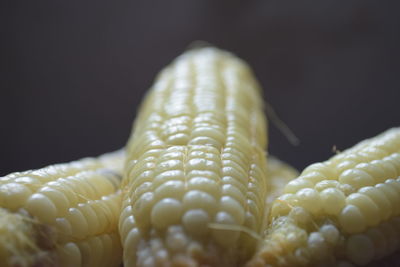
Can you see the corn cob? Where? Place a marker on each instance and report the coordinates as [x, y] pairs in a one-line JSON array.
[[62, 215], [339, 212], [195, 170]]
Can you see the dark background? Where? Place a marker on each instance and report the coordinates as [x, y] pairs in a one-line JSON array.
[[73, 72]]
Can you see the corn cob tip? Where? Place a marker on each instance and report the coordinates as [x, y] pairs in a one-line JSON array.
[[198, 44]]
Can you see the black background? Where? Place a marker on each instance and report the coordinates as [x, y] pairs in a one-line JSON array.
[[73, 72]]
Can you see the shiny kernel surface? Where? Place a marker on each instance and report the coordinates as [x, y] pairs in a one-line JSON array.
[[203, 121], [359, 196], [78, 203]]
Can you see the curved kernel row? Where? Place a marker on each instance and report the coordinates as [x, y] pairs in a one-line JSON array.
[[195, 169], [352, 198], [63, 215]]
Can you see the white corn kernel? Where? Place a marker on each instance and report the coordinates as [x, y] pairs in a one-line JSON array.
[[166, 212], [352, 220], [332, 200]]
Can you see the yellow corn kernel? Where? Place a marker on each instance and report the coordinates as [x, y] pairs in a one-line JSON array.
[[351, 216], [63, 214], [195, 176]]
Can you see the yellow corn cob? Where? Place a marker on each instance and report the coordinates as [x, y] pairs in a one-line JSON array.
[[339, 212], [62, 215], [195, 170]]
